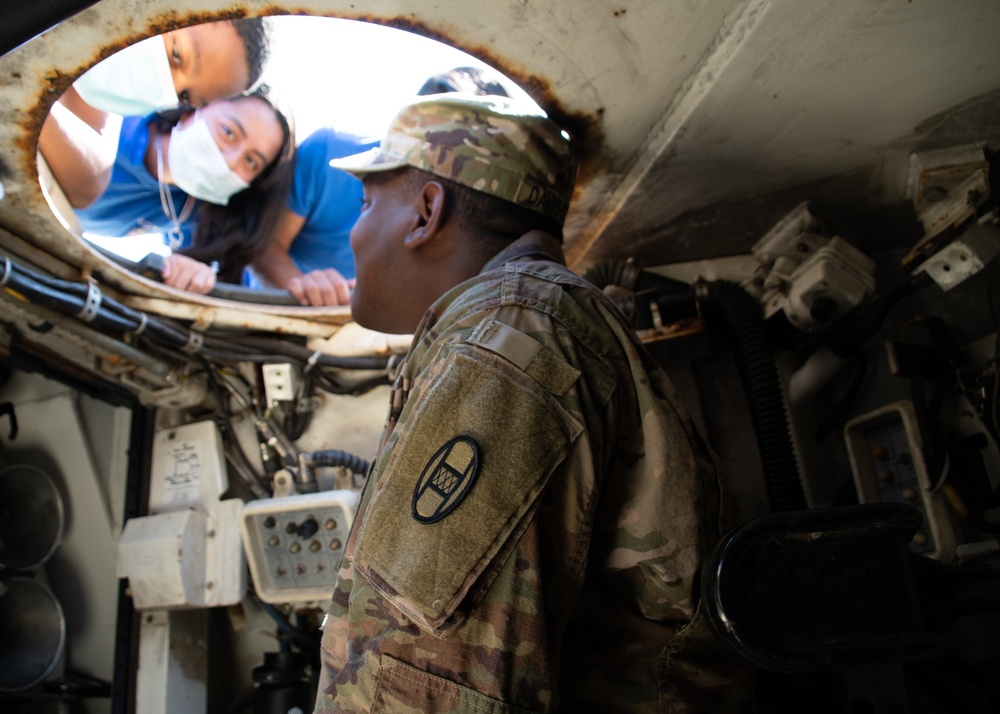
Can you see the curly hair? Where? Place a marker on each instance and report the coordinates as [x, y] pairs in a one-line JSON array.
[[256, 35]]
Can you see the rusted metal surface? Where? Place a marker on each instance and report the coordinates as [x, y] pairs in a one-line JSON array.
[[57, 81], [585, 127], [677, 107], [25, 213]]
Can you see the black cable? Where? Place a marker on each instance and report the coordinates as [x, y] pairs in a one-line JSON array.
[[304, 354], [333, 386], [46, 286], [297, 418], [237, 356], [61, 302], [860, 332], [259, 296], [297, 637], [71, 298], [225, 425]]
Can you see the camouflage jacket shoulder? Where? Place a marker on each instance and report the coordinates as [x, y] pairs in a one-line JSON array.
[[539, 508]]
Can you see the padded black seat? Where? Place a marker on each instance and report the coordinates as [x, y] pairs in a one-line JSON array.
[[835, 588]]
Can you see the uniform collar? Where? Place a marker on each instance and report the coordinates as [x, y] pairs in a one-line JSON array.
[[533, 243]]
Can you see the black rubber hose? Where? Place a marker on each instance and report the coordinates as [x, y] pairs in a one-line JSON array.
[[152, 265], [332, 457], [259, 296], [731, 304], [604, 273], [674, 299]]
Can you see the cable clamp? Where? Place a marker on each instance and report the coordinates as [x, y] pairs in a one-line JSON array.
[[6, 272], [143, 321], [313, 359], [91, 304], [194, 343]]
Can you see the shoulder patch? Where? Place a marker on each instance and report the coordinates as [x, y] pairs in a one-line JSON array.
[[446, 479], [527, 354]]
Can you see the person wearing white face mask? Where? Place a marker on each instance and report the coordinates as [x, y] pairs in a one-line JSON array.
[[210, 180], [191, 65]]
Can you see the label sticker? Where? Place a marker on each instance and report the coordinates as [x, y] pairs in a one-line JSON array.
[[182, 475]]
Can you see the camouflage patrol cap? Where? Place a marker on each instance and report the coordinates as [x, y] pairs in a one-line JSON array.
[[491, 144]]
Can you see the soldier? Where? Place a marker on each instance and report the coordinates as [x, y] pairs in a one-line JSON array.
[[539, 506]]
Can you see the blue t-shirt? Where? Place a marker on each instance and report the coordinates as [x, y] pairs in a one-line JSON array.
[[131, 203], [329, 199]]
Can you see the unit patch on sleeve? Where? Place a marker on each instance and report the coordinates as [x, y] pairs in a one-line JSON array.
[[446, 479]]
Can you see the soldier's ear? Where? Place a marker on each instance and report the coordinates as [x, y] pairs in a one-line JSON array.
[[430, 209]]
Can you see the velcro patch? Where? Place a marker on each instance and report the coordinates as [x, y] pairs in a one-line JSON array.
[[527, 354], [426, 569], [446, 479]]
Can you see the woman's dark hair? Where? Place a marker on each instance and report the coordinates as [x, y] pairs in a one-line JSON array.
[[236, 234]]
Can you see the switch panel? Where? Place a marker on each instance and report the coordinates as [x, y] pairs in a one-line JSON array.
[[886, 452], [294, 544]]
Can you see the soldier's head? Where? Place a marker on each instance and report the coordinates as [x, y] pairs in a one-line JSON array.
[[455, 179], [468, 80]]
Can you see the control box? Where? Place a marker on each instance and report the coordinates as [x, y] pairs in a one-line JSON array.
[[886, 452], [294, 544], [186, 552]]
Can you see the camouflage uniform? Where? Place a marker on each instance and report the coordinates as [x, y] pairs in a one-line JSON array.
[[529, 536]]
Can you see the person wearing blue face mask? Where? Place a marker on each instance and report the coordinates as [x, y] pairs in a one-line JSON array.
[[210, 180]]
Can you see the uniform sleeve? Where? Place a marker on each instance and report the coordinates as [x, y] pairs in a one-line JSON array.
[[479, 443], [665, 510]]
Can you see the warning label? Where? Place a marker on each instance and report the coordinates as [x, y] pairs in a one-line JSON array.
[[182, 475]]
